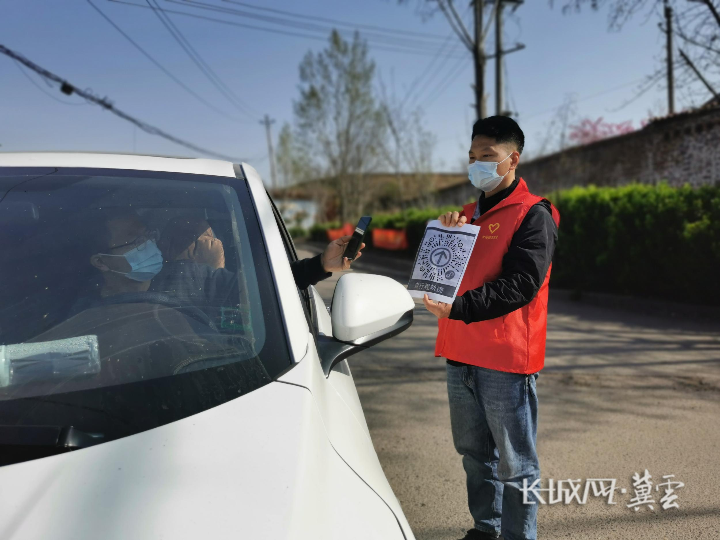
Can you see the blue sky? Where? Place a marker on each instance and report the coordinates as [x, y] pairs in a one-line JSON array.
[[565, 54]]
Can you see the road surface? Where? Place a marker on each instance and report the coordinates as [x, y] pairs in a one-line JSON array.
[[620, 393]]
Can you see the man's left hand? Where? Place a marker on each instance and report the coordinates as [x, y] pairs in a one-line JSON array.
[[440, 309], [332, 257]]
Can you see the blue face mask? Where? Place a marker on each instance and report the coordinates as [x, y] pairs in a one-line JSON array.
[[145, 261], [483, 174]]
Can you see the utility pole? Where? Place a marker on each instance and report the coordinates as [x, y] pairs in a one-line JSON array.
[[476, 44], [267, 122], [498, 60], [479, 55], [669, 46], [500, 53]]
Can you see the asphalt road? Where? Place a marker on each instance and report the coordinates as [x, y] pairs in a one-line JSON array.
[[620, 393]]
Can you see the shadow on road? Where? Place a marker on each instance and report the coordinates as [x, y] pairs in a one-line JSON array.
[[621, 392]]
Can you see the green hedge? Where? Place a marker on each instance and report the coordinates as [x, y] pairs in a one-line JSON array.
[[641, 240]]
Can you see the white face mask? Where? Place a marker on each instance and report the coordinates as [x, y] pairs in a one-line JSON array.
[[483, 174]]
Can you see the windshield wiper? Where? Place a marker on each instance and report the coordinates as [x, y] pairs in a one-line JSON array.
[[60, 437]]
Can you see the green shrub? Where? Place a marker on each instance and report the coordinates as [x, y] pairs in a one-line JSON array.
[[297, 233], [642, 240], [318, 232]]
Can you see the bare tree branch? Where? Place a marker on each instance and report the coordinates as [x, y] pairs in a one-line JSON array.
[[698, 74], [681, 34], [459, 20], [713, 10], [461, 32], [491, 20]]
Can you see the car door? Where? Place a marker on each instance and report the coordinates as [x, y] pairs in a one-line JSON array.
[[318, 319]]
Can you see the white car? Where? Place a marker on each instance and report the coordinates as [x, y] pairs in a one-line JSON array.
[[190, 394]]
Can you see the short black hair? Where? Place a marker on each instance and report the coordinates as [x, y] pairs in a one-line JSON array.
[[501, 128], [95, 233]]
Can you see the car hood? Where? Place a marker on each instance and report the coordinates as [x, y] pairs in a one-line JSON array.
[[260, 466]]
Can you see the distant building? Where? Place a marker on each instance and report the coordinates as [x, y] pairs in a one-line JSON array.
[[384, 192]]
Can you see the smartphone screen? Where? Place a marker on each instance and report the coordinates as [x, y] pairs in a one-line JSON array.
[[356, 241]]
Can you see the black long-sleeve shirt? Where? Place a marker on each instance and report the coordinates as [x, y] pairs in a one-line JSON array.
[[308, 271], [524, 266]]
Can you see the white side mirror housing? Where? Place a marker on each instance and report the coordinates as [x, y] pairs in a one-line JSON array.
[[367, 308]]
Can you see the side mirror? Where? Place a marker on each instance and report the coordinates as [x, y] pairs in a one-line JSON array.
[[366, 309]]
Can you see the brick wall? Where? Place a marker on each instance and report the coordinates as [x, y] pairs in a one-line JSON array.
[[682, 148]]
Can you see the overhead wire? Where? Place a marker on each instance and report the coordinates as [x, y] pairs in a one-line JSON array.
[[209, 73], [609, 90], [392, 31], [437, 72], [276, 31], [416, 82], [162, 68], [70, 88], [444, 84], [43, 90], [451, 73], [314, 26]]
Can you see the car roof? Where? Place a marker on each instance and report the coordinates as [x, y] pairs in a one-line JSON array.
[[117, 161]]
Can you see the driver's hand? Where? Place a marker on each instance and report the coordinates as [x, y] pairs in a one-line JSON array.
[[332, 258]]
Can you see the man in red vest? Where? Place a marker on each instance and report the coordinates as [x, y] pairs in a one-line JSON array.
[[493, 334]]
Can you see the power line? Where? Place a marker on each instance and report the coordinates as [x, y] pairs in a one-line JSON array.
[[165, 70], [314, 26], [275, 30], [416, 82], [391, 31], [196, 58], [609, 90], [68, 88], [36, 85], [444, 84], [428, 69]]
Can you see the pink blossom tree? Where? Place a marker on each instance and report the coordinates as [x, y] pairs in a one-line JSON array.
[[589, 131]]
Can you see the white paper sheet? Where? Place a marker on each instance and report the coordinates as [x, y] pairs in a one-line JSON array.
[[441, 261]]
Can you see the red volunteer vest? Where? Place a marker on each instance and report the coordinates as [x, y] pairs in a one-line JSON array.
[[514, 342]]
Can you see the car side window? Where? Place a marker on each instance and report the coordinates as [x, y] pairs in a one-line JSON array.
[[305, 299]]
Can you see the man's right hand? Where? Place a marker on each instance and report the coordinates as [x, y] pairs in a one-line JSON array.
[[452, 219]]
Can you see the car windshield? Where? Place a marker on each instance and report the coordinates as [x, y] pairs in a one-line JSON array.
[[129, 300]]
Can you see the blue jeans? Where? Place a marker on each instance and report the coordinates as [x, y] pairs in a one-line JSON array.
[[493, 415]]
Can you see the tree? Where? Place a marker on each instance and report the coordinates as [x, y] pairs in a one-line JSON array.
[[695, 22], [293, 163], [339, 127], [589, 131], [408, 148]]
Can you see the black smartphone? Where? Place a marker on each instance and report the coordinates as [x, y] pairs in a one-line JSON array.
[[353, 246]]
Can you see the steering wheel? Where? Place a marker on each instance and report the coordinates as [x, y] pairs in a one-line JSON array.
[[164, 300]]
